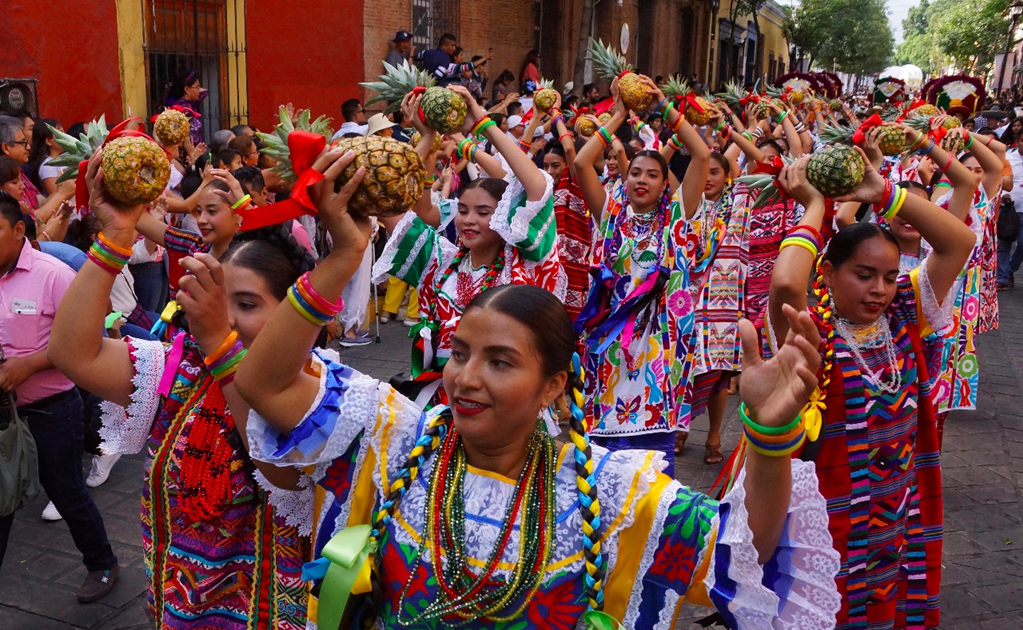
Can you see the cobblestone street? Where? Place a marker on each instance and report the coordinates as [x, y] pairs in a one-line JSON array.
[[982, 464]]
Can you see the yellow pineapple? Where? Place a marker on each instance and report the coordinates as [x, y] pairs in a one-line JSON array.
[[609, 64], [546, 96], [171, 127], [678, 88], [441, 108]]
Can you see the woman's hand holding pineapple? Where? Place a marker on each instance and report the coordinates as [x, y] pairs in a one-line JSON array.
[[116, 221]]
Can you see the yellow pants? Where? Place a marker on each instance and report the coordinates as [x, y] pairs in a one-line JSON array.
[[395, 293]]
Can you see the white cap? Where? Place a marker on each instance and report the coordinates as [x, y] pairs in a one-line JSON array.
[[376, 124], [514, 121]]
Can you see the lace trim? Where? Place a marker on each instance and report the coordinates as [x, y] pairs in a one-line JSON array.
[[805, 554], [620, 472], [125, 431], [939, 314], [649, 552], [294, 506], [515, 229]]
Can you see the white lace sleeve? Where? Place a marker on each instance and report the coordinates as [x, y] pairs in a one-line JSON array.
[[801, 572], [294, 506], [344, 407], [938, 314], [125, 431]]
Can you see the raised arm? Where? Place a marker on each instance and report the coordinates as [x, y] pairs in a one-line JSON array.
[[77, 347], [991, 155], [964, 182], [589, 182], [272, 377], [695, 180]]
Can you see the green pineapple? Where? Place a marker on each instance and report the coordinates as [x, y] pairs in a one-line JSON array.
[[835, 171], [442, 109]]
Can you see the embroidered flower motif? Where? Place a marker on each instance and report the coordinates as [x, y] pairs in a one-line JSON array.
[[557, 608], [675, 562]]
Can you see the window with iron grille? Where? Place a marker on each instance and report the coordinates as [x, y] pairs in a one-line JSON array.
[[204, 36], [431, 19]]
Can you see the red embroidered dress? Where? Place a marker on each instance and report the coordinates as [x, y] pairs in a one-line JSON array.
[[575, 238]]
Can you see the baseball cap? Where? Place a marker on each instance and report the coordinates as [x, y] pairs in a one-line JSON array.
[[514, 121], [402, 36]]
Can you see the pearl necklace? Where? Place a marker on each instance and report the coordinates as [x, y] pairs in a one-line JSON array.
[[877, 335]]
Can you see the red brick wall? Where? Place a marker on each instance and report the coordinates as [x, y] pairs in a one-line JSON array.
[[308, 53], [73, 56], [381, 20]]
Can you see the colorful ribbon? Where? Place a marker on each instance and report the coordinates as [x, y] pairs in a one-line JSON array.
[[347, 552], [773, 167], [304, 147]]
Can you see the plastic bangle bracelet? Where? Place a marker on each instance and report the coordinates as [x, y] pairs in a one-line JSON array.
[[307, 289], [721, 126], [118, 254], [789, 242], [781, 450], [241, 202], [667, 108], [292, 297], [808, 228], [224, 346], [481, 127], [969, 142], [661, 104], [758, 133], [747, 135], [989, 141], [782, 116], [943, 182], [479, 123], [781, 440], [306, 304], [557, 119], [567, 134], [894, 210], [928, 150], [804, 238], [114, 271], [919, 143], [748, 421], [227, 357], [949, 164], [115, 248], [108, 256], [605, 136]]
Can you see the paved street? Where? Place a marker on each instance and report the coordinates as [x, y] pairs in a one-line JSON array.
[[982, 462]]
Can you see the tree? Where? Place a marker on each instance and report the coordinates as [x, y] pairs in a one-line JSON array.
[[970, 32], [848, 35]]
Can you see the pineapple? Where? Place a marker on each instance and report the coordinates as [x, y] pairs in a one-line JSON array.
[[609, 64], [835, 105], [732, 95], [604, 118], [438, 140], [891, 142], [135, 169], [953, 143], [923, 123], [925, 110], [440, 108], [275, 145], [835, 171], [677, 87], [546, 96], [796, 96], [586, 127], [171, 127], [394, 175]]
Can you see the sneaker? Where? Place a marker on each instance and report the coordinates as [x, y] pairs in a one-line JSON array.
[[386, 317], [409, 323], [360, 339], [97, 584], [101, 466], [50, 512]]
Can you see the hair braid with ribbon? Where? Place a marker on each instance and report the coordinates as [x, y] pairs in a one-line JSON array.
[[586, 482], [431, 439], [825, 312]]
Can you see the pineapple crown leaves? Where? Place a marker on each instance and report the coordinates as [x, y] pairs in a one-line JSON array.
[[838, 134], [732, 95], [774, 91], [919, 122], [396, 82], [545, 84], [676, 87], [276, 143], [609, 62], [78, 149], [766, 183]]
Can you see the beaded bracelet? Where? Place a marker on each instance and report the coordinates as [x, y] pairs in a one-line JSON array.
[[244, 201], [605, 137], [108, 256], [799, 241]]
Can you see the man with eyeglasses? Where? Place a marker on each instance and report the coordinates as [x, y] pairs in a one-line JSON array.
[[355, 119]]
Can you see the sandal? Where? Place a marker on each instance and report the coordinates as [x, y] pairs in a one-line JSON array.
[[713, 454], [680, 441]]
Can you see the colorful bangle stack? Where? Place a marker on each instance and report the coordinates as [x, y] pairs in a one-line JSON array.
[[310, 304], [604, 136], [747, 135], [428, 182], [803, 236], [758, 133], [557, 119], [727, 132], [800, 127], [969, 141], [773, 441], [919, 143], [675, 142], [482, 125], [525, 146], [467, 149], [108, 256], [242, 203], [224, 361], [894, 197]]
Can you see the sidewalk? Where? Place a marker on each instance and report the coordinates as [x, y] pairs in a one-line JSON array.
[[982, 463]]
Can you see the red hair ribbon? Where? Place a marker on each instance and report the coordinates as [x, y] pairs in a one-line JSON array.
[[188, 111], [119, 130], [304, 147], [773, 167], [868, 124]]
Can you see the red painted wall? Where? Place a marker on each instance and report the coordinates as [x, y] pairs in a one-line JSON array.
[[73, 56], [308, 53]]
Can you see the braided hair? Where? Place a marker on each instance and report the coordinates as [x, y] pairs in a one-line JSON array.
[[273, 253]]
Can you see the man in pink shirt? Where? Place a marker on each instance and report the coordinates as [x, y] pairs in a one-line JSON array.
[[31, 286]]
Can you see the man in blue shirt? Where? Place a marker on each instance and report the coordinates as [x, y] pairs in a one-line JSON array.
[[440, 61]]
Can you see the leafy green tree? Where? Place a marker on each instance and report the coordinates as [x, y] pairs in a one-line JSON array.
[[848, 35]]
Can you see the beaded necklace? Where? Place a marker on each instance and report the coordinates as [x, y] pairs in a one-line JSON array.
[[205, 482], [876, 335], [463, 593], [488, 281]]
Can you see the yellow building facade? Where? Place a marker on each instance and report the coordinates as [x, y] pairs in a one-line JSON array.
[[747, 49]]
